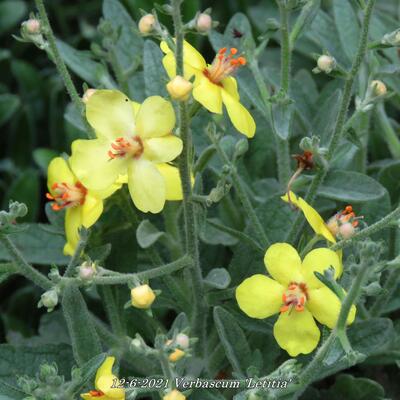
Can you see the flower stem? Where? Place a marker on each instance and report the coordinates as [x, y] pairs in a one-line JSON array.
[[22, 267], [383, 223], [199, 316], [114, 314], [339, 129], [61, 67], [83, 238]]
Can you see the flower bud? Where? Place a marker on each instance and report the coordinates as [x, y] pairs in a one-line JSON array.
[[346, 230], [146, 23], [87, 271], [174, 395], [32, 26], [182, 340], [49, 300], [136, 345], [203, 22], [142, 296], [333, 225], [179, 88], [378, 88], [326, 63], [176, 355], [87, 95]]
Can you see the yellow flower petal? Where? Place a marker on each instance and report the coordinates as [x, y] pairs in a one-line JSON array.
[[170, 66], [208, 94], [238, 114], [91, 210], [173, 184], [87, 396], [283, 263], [103, 194], [162, 149], [135, 107], [312, 216], [297, 332], [110, 113], [155, 118], [325, 306], [259, 296], [58, 172], [104, 380], [73, 220], [319, 260], [230, 85], [92, 165], [146, 186]]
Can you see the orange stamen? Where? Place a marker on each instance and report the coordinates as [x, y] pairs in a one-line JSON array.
[[234, 50]]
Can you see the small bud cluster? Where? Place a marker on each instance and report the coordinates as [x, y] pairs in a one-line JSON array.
[[146, 24], [392, 39], [8, 218], [49, 299], [376, 90], [326, 64], [142, 297], [31, 32], [87, 271]]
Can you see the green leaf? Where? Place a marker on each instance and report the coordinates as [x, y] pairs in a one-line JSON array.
[[11, 12], [218, 278], [84, 338], [129, 45], [9, 104], [25, 189], [38, 245], [211, 235], [155, 77], [282, 115], [389, 177], [233, 339], [347, 25], [147, 234], [350, 388], [351, 186], [82, 63], [17, 361], [43, 157]]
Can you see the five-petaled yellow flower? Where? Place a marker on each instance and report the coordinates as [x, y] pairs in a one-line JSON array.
[[296, 293], [214, 84], [104, 382], [83, 206], [133, 140]]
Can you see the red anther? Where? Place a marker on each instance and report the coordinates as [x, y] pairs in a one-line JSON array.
[[284, 308], [234, 61], [302, 301], [355, 223], [299, 307], [284, 297], [49, 196], [242, 60], [222, 51], [234, 50], [348, 209], [96, 393], [292, 286], [54, 186]]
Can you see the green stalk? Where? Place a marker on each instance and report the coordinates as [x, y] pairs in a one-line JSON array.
[[83, 238], [339, 129], [113, 312], [22, 267], [199, 316]]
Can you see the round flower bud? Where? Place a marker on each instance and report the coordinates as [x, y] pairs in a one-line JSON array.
[[87, 95], [49, 299], [204, 22], [333, 225], [146, 23], [346, 230], [326, 63], [179, 88], [142, 296], [87, 271], [378, 88], [182, 340], [176, 355], [174, 395], [32, 26]]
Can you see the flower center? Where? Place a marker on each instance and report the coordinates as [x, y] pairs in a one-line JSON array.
[[224, 65], [295, 297], [96, 393], [131, 146], [346, 216], [66, 195]]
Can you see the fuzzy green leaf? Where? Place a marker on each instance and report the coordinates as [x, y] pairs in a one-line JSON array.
[[9, 104], [155, 78]]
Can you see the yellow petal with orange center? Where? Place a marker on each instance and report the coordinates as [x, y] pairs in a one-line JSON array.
[[325, 307], [297, 332], [238, 114], [283, 263], [162, 149], [208, 94], [59, 172], [259, 296], [110, 113], [92, 165], [146, 186], [155, 118], [318, 260]]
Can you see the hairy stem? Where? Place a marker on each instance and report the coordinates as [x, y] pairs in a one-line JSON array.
[[83, 238], [339, 129], [22, 267], [199, 316]]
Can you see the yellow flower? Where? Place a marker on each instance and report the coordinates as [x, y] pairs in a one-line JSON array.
[[133, 140], [142, 296], [296, 293], [83, 206], [213, 84], [174, 395], [104, 381], [176, 355]]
